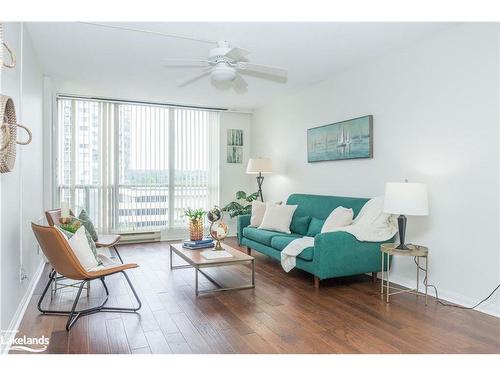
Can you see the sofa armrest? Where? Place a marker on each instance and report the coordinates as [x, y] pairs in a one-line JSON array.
[[242, 222], [341, 254]]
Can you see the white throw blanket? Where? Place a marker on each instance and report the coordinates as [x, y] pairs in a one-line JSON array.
[[371, 224], [292, 250]]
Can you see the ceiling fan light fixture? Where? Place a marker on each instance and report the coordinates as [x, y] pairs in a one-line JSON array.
[[222, 72]]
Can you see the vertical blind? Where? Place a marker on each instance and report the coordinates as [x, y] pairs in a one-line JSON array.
[[136, 167]]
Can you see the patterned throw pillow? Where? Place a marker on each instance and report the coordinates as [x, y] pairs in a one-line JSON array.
[[91, 242], [71, 224], [84, 217]]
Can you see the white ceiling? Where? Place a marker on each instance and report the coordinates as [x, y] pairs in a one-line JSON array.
[[91, 60]]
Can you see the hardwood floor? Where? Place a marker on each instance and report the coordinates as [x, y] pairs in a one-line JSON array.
[[283, 314]]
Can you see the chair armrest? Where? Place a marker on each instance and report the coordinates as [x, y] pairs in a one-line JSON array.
[[341, 254], [110, 270], [242, 222]]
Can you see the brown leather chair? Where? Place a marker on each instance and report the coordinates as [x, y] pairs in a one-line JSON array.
[[103, 240], [64, 262]]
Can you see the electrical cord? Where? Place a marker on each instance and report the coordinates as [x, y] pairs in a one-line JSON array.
[[425, 281]]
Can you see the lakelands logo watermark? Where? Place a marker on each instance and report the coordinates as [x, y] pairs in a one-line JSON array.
[[10, 339]]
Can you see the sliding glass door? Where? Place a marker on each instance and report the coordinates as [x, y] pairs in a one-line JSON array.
[[136, 167]]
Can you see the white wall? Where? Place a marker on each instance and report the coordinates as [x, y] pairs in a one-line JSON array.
[[21, 190], [232, 176], [436, 117]]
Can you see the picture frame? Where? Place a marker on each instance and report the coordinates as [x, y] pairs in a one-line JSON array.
[[343, 140]]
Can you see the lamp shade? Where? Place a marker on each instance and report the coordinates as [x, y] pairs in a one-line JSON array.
[[406, 198], [259, 165]]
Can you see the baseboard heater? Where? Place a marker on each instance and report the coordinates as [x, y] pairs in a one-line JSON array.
[[140, 237]]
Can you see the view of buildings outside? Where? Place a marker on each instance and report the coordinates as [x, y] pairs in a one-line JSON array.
[[129, 176]]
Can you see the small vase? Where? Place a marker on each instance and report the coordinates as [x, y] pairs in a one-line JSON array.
[[195, 230]]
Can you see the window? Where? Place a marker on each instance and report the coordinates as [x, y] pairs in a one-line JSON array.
[[135, 166]]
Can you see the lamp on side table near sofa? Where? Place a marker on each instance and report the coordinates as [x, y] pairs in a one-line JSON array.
[[405, 198], [259, 166]]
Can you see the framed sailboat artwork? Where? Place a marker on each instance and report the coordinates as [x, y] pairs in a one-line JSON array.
[[349, 139]]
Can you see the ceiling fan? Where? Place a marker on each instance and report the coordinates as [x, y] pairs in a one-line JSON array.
[[224, 63]]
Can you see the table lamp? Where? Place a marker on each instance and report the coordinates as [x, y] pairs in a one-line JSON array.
[[405, 198], [259, 166]]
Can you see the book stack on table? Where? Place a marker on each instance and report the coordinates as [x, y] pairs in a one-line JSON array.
[[204, 243]]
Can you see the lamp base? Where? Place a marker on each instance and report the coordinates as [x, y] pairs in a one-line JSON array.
[[260, 180], [402, 232], [402, 246]]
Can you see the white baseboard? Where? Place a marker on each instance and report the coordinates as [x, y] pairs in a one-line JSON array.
[[21, 309], [446, 295]]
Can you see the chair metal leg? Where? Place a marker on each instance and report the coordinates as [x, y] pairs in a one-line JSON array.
[[123, 309], [74, 314], [49, 283], [118, 254]]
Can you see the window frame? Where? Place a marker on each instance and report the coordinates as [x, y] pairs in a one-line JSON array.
[[115, 106]]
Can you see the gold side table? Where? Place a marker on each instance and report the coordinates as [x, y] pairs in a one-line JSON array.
[[388, 249]]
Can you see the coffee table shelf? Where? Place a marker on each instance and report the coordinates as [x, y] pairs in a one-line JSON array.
[[195, 260]]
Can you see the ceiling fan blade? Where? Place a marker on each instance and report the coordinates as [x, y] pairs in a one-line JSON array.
[[263, 69], [237, 53], [172, 63], [194, 79], [239, 84]]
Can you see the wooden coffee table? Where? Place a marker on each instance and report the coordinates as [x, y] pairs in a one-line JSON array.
[[195, 260]]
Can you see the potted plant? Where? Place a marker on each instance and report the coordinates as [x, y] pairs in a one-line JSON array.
[[195, 218], [242, 205]]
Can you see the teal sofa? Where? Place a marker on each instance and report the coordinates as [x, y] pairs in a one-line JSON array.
[[334, 254]]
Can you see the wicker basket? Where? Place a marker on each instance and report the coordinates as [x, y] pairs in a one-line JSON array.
[[8, 134]]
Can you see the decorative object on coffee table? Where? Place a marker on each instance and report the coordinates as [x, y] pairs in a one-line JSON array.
[[218, 231], [259, 166], [404, 198], [195, 218], [215, 214]]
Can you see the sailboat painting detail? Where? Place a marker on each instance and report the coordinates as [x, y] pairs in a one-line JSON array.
[[350, 139]]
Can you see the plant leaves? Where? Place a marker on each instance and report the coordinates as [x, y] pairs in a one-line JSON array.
[[244, 208], [241, 195], [252, 197]]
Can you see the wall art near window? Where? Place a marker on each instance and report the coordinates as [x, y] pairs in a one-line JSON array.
[[350, 139], [234, 146], [234, 154], [234, 137]]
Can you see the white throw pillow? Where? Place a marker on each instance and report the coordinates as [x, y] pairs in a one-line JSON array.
[[372, 212], [258, 211], [278, 217], [81, 248], [339, 217]]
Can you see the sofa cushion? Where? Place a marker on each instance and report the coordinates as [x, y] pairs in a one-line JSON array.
[[315, 227], [300, 224], [264, 236], [280, 242], [320, 206], [340, 217], [278, 218], [258, 211]]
